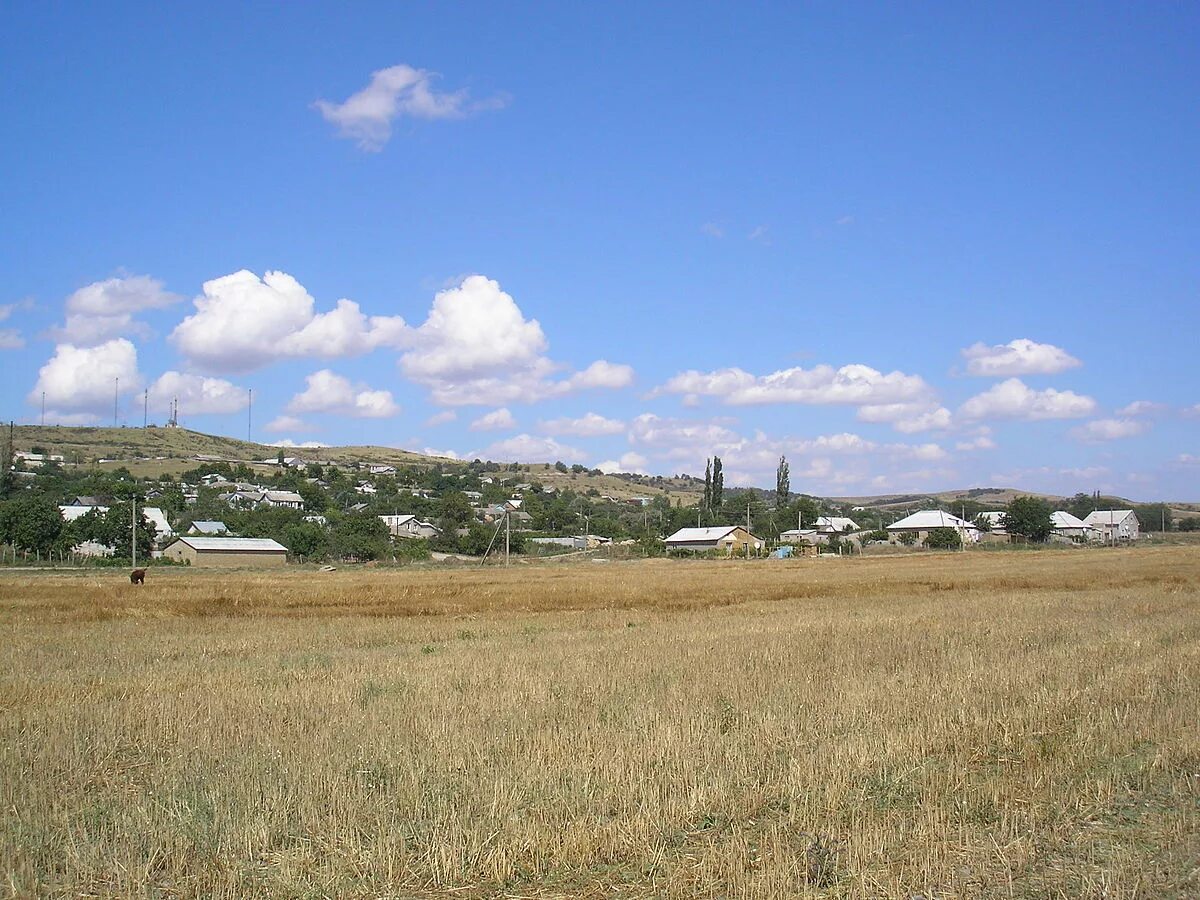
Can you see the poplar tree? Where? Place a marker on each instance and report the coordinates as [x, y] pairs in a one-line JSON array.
[[783, 483], [708, 486], [718, 484]]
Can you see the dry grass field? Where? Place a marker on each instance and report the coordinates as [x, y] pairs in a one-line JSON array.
[[936, 725]]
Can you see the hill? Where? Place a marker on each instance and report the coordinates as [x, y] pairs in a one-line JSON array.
[[152, 452]]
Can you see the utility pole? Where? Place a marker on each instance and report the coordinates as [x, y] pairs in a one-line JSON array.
[[506, 536], [146, 408], [747, 529], [133, 540]]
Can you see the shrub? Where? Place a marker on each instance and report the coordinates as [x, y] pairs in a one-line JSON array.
[[943, 539]]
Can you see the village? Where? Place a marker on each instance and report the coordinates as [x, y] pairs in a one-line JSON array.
[[274, 510]]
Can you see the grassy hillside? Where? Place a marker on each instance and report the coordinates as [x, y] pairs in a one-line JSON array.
[[150, 452], [156, 451]]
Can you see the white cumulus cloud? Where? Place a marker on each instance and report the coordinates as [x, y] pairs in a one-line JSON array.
[[632, 463], [442, 418], [1100, 430], [588, 425], [1019, 357], [477, 347], [908, 418], [855, 385], [397, 91], [497, 420], [286, 423], [243, 322], [528, 448], [198, 394], [327, 392], [83, 379], [104, 310], [1143, 408], [1013, 399]]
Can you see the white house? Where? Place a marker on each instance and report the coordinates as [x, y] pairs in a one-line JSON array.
[[799, 536], [384, 469], [836, 525], [1068, 527], [1114, 525], [409, 526], [995, 520], [729, 538], [919, 524], [209, 528], [157, 518]]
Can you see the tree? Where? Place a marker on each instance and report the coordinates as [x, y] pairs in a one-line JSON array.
[[718, 484], [30, 523], [943, 539], [783, 483], [360, 536], [1029, 517], [706, 504]]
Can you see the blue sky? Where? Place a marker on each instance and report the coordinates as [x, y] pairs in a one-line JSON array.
[[911, 247]]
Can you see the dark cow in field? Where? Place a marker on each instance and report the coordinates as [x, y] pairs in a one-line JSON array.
[[137, 576]]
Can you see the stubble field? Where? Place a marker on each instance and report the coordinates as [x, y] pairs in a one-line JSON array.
[[1018, 724]]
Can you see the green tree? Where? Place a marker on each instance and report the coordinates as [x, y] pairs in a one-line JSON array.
[[360, 536], [706, 503], [718, 484], [943, 539], [783, 483], [1029, 517], [30, 523]]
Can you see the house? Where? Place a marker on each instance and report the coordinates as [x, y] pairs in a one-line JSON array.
[[1114, 525], [162, 528], [409, 526], [801, 536], [227, 551], [74, 511], [316, 519], [1068, 527], [732, 539], [919, 524], [86, 501], [36, 460], [209, 528], [995, 521], [381, 470], [836, 525], [365, 488], [286, 499]]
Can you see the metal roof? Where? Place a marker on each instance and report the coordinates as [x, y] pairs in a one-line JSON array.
[[206, 526], [1061, 519], [1108, 516], [930, 518], [695, 535], [233, 544]]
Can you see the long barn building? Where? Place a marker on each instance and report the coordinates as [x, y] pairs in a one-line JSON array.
[[227, 551]]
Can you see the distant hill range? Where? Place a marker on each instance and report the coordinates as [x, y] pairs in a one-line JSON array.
[[156, 451]]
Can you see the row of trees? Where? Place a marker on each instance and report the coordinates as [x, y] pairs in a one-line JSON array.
[[34, 523]]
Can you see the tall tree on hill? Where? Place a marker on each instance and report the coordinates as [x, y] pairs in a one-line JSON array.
[[718, 484], [783, 483]]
